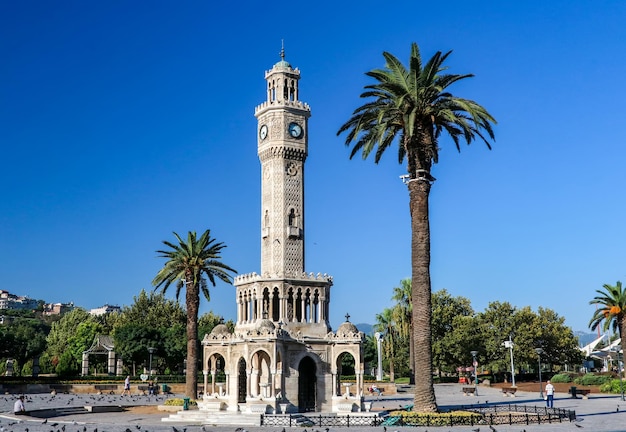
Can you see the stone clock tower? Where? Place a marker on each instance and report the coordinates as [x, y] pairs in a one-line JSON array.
[[282, 355], [282, 149]]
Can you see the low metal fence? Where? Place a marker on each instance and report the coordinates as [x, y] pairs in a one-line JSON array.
[[320, 420], [510, 414]]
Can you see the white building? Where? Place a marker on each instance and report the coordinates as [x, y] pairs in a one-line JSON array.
[[105, 310]]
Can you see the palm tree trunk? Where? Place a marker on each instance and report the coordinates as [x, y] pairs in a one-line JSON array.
[[192, 298], [411, 353], [419, 191]]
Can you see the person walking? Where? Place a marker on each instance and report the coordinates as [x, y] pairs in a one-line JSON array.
[[126, 385], [549, 395]]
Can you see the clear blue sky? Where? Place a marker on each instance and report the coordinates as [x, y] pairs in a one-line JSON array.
[[121, 122]]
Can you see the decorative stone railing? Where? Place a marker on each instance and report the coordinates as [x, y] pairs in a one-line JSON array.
[[258, 408], [253, 277]]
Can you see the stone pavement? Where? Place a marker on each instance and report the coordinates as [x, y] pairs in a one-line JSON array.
[[599, 413]]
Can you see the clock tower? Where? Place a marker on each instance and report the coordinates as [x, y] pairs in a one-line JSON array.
[[282, 148], [282, 351], [283, 292]]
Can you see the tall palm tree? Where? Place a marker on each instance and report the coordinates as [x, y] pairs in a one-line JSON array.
[[404, 309], [611, 313], [413, 107], [189, 264]]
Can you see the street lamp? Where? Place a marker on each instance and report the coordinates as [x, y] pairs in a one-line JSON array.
[[509, 344], [151, 350], [475, 364], [539, 351], [379, 342]]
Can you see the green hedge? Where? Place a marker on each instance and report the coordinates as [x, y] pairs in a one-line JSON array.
[[562, 378], [613, 386], [591, 379], [453, 418]]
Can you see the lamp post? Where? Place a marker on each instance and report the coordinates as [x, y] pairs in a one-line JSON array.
[[509, 344], [151, 350], [539, 351], [379, 342], [475, 364]]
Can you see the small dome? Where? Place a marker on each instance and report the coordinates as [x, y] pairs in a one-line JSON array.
[[220, 329], [347, 328], [283, 64], [265, 325]]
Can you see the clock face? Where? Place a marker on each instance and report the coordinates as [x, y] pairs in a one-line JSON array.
[[263, 132], [295, 130]]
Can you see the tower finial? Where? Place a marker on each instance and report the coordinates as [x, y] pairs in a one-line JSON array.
[[282, 49]]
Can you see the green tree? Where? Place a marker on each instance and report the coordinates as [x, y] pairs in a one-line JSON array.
[[171, 354], [404, 316], [385, 324], [558, 341], [445, 334], [70, 336], [413, 107], [190, 263], [133, 340], [370, 356], [152, 310], [209, 320], [496, 324]]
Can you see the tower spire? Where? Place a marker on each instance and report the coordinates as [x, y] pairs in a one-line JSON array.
[[282, 49]]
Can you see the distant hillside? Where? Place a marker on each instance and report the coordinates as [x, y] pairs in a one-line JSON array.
[[365, 328], [585, 338]]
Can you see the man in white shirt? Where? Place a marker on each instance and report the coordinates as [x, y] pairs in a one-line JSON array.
[[549, 395], [18, 407]]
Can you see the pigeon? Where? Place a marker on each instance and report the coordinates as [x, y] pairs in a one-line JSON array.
[[128, 430], [476, 430], [45, 421]]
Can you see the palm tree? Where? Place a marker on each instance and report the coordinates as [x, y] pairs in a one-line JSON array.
[[413, 107], [612, 302], [190, 264], [404, 310]]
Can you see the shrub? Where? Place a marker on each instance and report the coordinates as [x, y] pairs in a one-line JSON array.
[[412, 418], [562, 378], [613, 386], [178, 402], [591, 379]]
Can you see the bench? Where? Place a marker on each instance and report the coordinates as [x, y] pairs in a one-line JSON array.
[[110, 388], [509, 391], [380, 389], [577, 391], [469, 391], [145, 388]]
